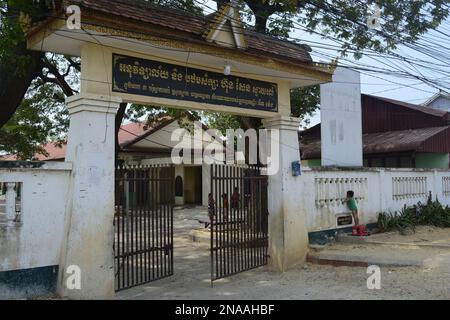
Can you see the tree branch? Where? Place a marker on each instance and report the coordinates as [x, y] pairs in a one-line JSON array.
[[59, 78], [76, 65]]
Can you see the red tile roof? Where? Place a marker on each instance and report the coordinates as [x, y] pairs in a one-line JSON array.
[[128, 134]]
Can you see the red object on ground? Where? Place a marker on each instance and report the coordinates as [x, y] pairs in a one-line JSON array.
[[360, 231]]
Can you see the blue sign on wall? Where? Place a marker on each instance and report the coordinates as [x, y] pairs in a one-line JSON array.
[[296, 169]]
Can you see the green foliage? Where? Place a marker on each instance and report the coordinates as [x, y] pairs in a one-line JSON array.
[[281, 26], [186, 5], [345, 21], [12, 19], [401, 21], [152, 114], [40, 117], [401, 221], [429, 213], [305, 102], [433, 213], [222, 122]]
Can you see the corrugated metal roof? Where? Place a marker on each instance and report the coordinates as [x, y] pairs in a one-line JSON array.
[[427, 110], [395, 141], [418, 140]]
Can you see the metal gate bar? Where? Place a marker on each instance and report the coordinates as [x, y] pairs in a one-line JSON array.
[[143, 220], [239, 229]]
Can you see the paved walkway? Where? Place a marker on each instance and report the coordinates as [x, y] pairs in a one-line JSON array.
[[192, 277]]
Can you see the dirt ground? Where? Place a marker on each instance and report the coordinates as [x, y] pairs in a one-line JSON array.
[[423, 235], [192, 276]]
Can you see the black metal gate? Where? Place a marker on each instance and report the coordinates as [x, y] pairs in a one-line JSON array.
[[239, 219], [143, 222]]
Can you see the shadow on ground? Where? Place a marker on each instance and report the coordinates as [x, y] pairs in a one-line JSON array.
[[191, 279]]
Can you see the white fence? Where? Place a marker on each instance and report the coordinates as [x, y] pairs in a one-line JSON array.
[[35, 239], [376, 190], [31, 227]]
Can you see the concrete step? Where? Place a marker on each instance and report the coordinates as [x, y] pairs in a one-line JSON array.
[[375, 240], [352, 260], [363, 255]]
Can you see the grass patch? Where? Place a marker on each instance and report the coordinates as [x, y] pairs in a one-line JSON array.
[[431, 213]]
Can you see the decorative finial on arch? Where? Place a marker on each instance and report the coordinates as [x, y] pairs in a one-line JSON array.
[[226, 27]]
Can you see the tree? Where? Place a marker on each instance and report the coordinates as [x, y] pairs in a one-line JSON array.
[[346, 21], [40, 116], [305, 102], [402, 21], [19, 68]]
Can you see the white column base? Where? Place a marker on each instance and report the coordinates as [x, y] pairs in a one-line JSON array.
[[288, 235], [89, 220]]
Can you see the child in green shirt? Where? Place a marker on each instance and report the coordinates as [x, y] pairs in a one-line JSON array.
[[351, 204]]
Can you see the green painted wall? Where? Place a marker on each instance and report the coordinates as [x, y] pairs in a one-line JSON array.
[[432, 160], [312, 163]]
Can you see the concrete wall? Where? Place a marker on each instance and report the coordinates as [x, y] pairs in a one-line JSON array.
[[376, 190], [340, 112], [206, 183], [35, 242]]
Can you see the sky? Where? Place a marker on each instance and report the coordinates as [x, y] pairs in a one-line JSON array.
[[395, 87]]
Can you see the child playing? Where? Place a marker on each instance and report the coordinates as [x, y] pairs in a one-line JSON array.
[[211, 207], [225, 206], [351, 204], [235, 199]]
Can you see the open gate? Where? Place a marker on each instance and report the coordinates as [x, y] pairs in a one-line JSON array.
[[239, 228], [143, 223]]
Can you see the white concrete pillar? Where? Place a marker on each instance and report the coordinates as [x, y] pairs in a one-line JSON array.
[[206, 183], [10, 200], [288, 236], [89, 220], [341, 120]]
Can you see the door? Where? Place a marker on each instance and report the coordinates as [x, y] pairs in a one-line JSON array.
[[143, 223], [239, 228]]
